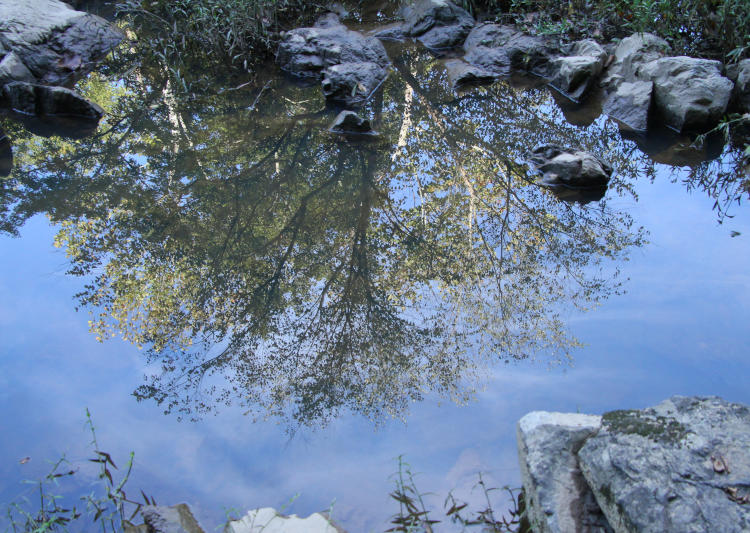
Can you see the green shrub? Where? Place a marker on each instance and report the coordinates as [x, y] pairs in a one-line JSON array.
[[240, 31]]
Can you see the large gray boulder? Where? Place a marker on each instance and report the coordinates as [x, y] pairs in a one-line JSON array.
[[437, 24], [557, 498], [630, 54], [268, 520], [630, 104], [498, 49], [351, 84], [351, 65], [575, 74], [48, 42], [682, 466], [306, 52], [689, 93], [629, 98]]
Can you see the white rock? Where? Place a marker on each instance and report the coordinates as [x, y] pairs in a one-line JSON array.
[[267, 520]]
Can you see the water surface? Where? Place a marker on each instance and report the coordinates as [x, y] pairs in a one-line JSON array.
[[258, 307]]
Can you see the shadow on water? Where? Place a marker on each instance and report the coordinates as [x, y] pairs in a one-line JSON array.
[[262, 260], [6, 155]]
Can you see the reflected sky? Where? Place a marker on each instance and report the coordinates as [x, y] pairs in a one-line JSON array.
[[681, 329]]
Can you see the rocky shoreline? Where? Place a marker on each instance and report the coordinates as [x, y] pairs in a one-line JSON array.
[[643, 84], [45, 46], [635, 82]]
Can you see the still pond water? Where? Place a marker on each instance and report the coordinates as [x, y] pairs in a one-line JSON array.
[[259, 308]]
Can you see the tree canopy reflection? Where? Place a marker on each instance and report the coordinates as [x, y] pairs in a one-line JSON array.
[[262, 260]]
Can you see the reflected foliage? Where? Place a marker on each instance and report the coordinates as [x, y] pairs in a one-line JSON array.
[[260, 259]]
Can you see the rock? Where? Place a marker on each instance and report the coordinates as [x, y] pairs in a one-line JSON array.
[[351, 64], [501, 48], [689, 93], [34, 99], [48, 42], [6, 155], [739, 136], [556, 495], [350, 84], [461, 74], [630, 104], [483, 48], [587, 47], [681, 466], [13, 69], [267, 520], [390, 32], [562, 167], [576, 74], [631, 53], [306, 52], [437, 23], [741, 93], [329, 20], [349, 122], [175, 519]]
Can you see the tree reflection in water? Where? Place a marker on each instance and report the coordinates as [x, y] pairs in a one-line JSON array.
[[262, 260]]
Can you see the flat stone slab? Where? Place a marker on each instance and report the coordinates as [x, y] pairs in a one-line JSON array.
[[682, 466], [558, 500]]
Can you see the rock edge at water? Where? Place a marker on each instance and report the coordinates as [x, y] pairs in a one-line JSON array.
[[682, 466], [547, 448]]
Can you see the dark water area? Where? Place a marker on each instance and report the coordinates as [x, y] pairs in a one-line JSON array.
[[258, 307]]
